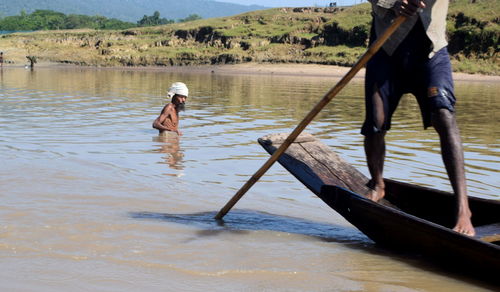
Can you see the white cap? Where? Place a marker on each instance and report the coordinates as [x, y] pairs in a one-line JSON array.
[[178, 88]]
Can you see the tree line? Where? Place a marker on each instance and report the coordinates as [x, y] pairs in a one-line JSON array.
[[53, 20]]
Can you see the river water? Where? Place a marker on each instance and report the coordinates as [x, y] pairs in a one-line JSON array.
[[92, 199]]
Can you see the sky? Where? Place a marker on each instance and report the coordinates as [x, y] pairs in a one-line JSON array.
[[292, 3]]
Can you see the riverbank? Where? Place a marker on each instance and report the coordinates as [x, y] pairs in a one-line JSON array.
[[322, 36], [311, 70]]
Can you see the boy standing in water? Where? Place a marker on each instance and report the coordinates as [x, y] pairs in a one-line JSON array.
[[168, 121]]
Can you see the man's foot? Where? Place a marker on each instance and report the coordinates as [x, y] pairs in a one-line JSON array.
[[376, 193], [464, 226]]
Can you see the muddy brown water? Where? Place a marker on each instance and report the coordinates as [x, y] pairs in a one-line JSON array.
[[93, 200]]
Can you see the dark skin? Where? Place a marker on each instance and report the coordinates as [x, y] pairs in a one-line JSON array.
[[451, 147], [169, 116], [408, 8]]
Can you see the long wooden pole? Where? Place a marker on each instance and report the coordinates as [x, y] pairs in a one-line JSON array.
[[312, 114]]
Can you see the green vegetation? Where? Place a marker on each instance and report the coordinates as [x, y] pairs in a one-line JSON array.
[[52, 20], [153, 20], [336, 36], [190, 17], [335, 55], [129, 10], [474, 32]]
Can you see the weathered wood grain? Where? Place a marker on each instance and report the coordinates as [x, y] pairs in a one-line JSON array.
[[315, 164]]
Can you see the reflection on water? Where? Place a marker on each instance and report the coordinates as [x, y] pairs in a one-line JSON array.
[[169, 145], [93, 199]]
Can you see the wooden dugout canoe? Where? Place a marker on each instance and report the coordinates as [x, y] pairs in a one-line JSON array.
[[410, 217]]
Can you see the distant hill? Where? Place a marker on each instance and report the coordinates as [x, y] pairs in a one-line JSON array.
[[128, 10]]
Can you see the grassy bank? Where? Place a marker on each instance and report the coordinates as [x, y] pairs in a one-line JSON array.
[[332, 36]]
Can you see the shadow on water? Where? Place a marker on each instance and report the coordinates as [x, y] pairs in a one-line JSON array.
[[244, 221]]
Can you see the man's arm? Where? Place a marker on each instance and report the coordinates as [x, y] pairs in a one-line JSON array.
[[407, 8], [158, 122]]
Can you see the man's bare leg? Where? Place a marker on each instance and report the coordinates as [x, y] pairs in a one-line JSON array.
[[451, 149], [375, 156], [375, 151]]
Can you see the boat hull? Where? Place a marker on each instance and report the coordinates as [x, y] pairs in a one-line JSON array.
[[397, 229], [410, 217]]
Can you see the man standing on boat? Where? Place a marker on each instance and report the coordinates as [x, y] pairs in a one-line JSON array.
[[168, 121], [414, 60]]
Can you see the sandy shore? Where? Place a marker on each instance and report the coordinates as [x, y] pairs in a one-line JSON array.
[[314, 70], [275, 69]]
